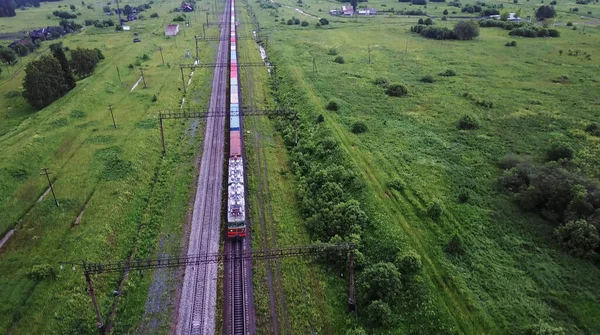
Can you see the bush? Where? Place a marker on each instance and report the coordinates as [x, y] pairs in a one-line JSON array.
[[448, 73], [427, 79], [435, 210], [466, 30], [396, 184], [154, 15], [467, 122], [379, 314], [290, 22], [41, 272], [445, 12], [382, 81], [332, 52], [558, 152], [464, 196], [409, 264], [455, 246], [323, 21], [580, 237], [304, 24], [339, 60], [545, 12], [359, 127], [569, 24], [428, 21], [420, 21], [179, 18], [593, 129], [396, 90], [154, 98], [296, 21], [332, 106]]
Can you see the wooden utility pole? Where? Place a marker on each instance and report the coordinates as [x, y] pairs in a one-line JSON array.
[[143, 79], [207, 18], [99, 324], [110, 108], [46, 173], [161, 55], [162, 136], [118, 73], [369, 54], [314, 64], [119, 13], [351, 299], [183, 81], [196, 39], [406, 49]]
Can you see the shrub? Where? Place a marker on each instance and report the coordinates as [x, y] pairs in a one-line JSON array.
[[467, 122], [558, 152], [359, 127], [435, 210], [420, 21], [320, 118], [323, 21], [382, 81], [339, 60], [332, 52], [455, 246], [379, 314], [444, 18], [545, 12], [428, 21], [332, 106], [290, 22], [296, 21], [100, 54], [154, 15], [580, 237], [304, 24], [445, 12], [396, 184], [41, 272], [427, 79], [569, 24], [466, 30], [409, 264], [154, 98], [396, 90], [593, 129], [448, 73]]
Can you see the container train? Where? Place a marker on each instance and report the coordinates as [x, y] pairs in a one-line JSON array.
[[236, 207]]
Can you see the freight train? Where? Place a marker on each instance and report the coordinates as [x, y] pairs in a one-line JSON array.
[[236, 207]]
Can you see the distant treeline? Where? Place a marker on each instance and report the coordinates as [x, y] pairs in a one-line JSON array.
[[7, 7]]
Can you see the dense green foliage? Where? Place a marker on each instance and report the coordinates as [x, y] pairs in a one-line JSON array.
[[44, 82], [396, 90], [580, 237], [84, 61], [545, 12]]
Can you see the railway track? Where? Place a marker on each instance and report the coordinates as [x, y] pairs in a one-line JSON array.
[[237, 292], [196, 313]]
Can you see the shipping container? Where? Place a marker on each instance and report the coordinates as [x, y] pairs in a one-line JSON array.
[[235, 145]]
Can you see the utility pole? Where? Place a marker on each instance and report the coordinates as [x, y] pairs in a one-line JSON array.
[[351, 300], [118, 73], [203, 31], [183, 81], [314, 64], [119, 12], [143, 79], [110, 107], [276, 77], [207, 18], [406, 49], [196, 39], [99, 324], [49, 184], [161, 55], [369, 54], [162, 136]]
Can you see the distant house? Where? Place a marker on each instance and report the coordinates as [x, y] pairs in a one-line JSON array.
[[347, 10], [186, 7], [172, 30], [367, 11]]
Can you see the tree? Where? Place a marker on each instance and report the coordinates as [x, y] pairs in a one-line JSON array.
[[44, 82], [445, 12], [73, 8], [106, 9], [558, 152], [304, 24], [379, 314], [8, 56], [467, 122], [428, 21], [504, 16], [84, 61], [580, 237], [59, 54], [409, 264], [354, 4], [127, 10], [420, 21], [466, 30], [380, 281], [359, 127], [545, 12]]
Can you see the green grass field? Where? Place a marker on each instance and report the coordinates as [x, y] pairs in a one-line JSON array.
[[513, 275], [136, 200]]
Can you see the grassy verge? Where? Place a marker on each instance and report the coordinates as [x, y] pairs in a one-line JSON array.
[[512, 276]]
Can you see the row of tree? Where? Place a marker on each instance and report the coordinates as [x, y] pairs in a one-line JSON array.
[[463, 30], [51, 77]]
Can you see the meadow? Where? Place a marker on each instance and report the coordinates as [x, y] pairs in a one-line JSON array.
[[512, 277], [132, 200]]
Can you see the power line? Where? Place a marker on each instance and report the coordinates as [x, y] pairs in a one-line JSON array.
[[110, 107]]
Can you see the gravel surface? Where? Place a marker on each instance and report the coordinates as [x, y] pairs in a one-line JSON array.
[[198, 300]]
